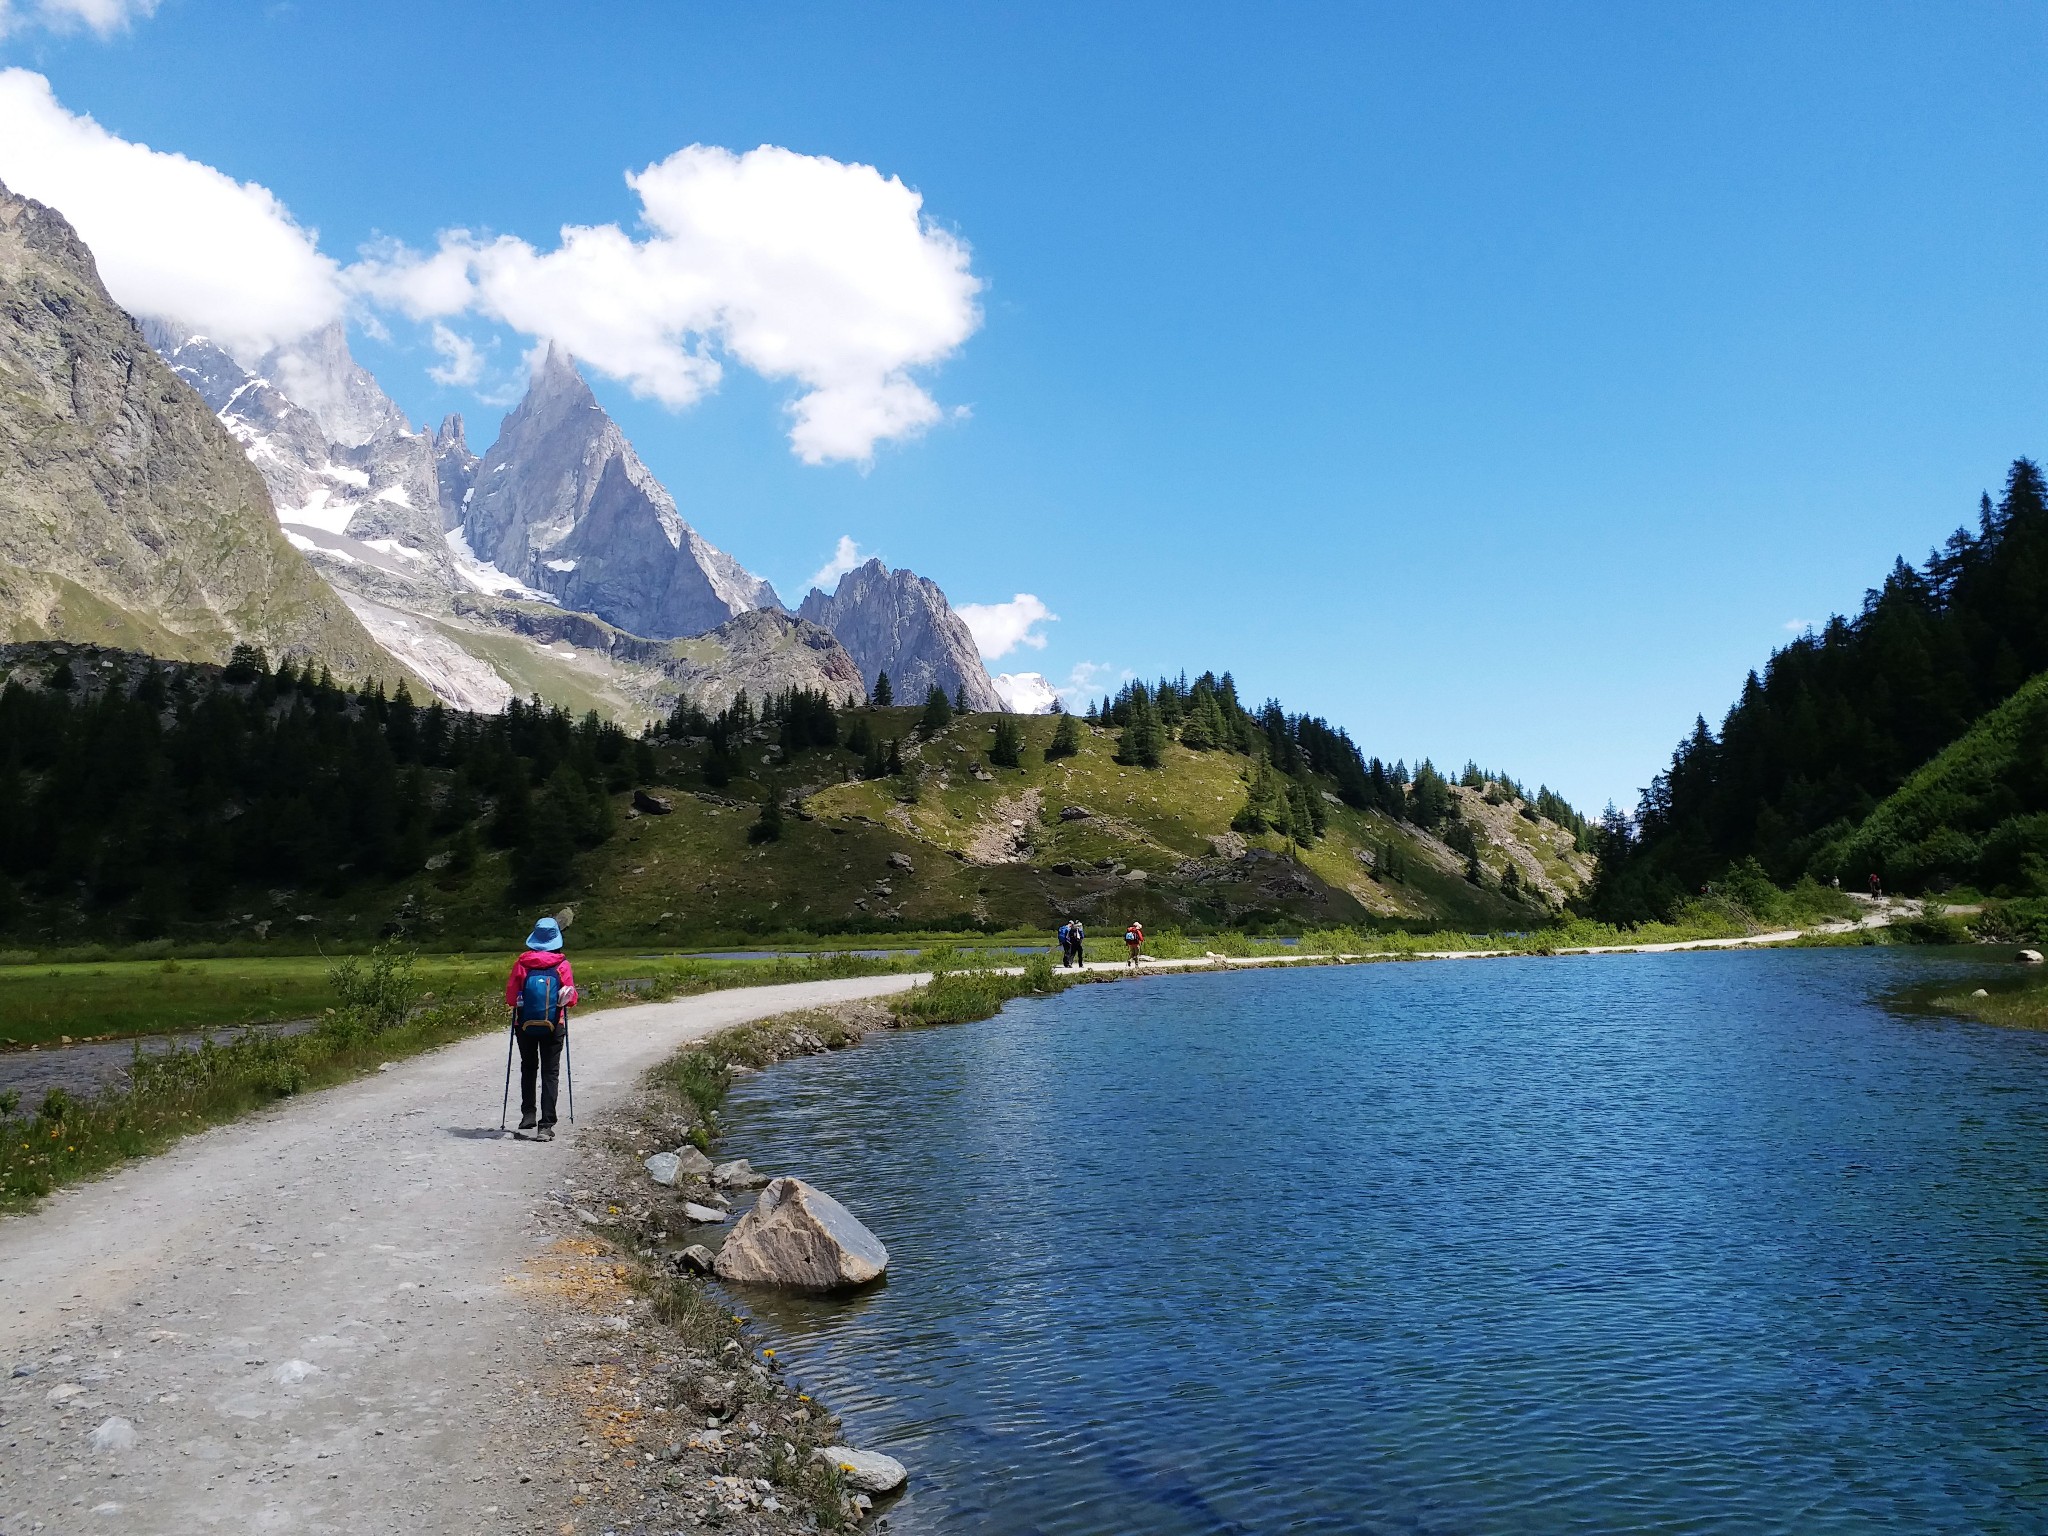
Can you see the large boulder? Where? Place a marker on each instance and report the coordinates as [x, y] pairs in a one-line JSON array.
[[869, 1471], [803, 1239]]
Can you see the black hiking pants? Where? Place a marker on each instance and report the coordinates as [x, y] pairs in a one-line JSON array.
[[540, 1052]]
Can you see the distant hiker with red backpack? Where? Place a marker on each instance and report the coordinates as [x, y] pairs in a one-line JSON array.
[[1134, 940], [540, 992]]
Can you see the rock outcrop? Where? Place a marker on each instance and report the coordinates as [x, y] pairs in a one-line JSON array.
[[801, 1238], [900, 623], [563, 504], [762, 652], [353, 486], [128, 514]]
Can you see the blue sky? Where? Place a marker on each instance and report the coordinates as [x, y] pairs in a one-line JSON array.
[[1497, 381]]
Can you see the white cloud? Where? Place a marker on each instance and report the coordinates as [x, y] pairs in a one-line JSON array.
[[105, 17], [844, 559], [796, 266], [1798, 626], [1090, 680], [999, 628], [172, 237], [462, 360]]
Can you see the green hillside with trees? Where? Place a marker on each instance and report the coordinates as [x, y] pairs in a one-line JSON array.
[[143, 801], [1840, 720], [1977, 815]]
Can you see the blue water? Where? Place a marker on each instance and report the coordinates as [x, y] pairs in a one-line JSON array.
[[1683, 1243]]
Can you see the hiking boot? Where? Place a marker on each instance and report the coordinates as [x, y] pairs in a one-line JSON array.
[[545, 1133], [526, 1122]]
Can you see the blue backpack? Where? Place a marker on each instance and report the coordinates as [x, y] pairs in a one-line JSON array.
[[540, 999]]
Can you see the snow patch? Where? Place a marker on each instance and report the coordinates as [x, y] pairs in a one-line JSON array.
[[393, 547], [1025, 693], [395, 494], [456, 677], [564, 566], [486, 578], [320, 511]]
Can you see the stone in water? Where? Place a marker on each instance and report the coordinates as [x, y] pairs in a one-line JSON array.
[[802, 1238]]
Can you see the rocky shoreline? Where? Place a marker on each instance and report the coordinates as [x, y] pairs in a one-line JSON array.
[[661, 1391]]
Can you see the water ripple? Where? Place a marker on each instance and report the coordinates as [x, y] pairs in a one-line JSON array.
[[1671, 1244]]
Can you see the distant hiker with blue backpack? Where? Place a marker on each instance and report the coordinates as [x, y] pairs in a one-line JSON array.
[[540, 992]]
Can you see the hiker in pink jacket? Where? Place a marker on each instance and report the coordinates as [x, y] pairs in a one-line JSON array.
[[540, 992]]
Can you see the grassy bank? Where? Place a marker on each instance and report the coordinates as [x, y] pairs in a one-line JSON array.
[[51, 1002], [2020, 1006], [375, 1010]]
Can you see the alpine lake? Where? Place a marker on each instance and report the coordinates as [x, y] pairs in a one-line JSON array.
[[1677, 1243]]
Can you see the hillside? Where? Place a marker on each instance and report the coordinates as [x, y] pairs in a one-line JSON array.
[[307, 812], [1003, 848], [1976, 815], [128, 515], [1839, 720]]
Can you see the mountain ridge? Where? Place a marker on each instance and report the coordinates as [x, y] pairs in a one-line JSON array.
[[131, 514]]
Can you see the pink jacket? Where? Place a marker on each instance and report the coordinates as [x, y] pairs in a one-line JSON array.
[[539, 960]]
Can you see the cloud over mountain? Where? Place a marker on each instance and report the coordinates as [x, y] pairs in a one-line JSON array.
[[999, 628], [798, 267], [172, 237]]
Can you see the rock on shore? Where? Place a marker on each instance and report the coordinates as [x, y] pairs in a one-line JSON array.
[[684, 1162], [869, 1471], [803, 1239]]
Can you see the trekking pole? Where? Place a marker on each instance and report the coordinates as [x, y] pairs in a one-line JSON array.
[[569, 1072], [504, 1109]]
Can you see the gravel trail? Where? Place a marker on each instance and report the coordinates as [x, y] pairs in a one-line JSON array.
[[301, 1321]]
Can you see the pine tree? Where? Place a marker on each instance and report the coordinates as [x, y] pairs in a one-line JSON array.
[[938, 714], [875, 760], [884, 694], [1066, 739], [895, 761], [514, 815], [1143, 743], [767, 828], [1006, 751], [960, 699]]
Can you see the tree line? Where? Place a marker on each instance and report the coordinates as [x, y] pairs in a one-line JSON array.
[[1838, 719], [168, 792]]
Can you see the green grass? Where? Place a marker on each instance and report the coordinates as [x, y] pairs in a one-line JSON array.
[[43, 1146], [2021, 1004], [41, 1004], [44, 1003]]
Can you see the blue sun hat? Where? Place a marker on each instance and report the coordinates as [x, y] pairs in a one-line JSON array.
[[547, 935]]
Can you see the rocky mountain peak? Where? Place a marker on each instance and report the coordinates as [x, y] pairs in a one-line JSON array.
[[900, 622], [563, 503], [318, 373]]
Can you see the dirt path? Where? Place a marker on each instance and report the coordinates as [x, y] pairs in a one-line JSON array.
[[303, 1319]]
